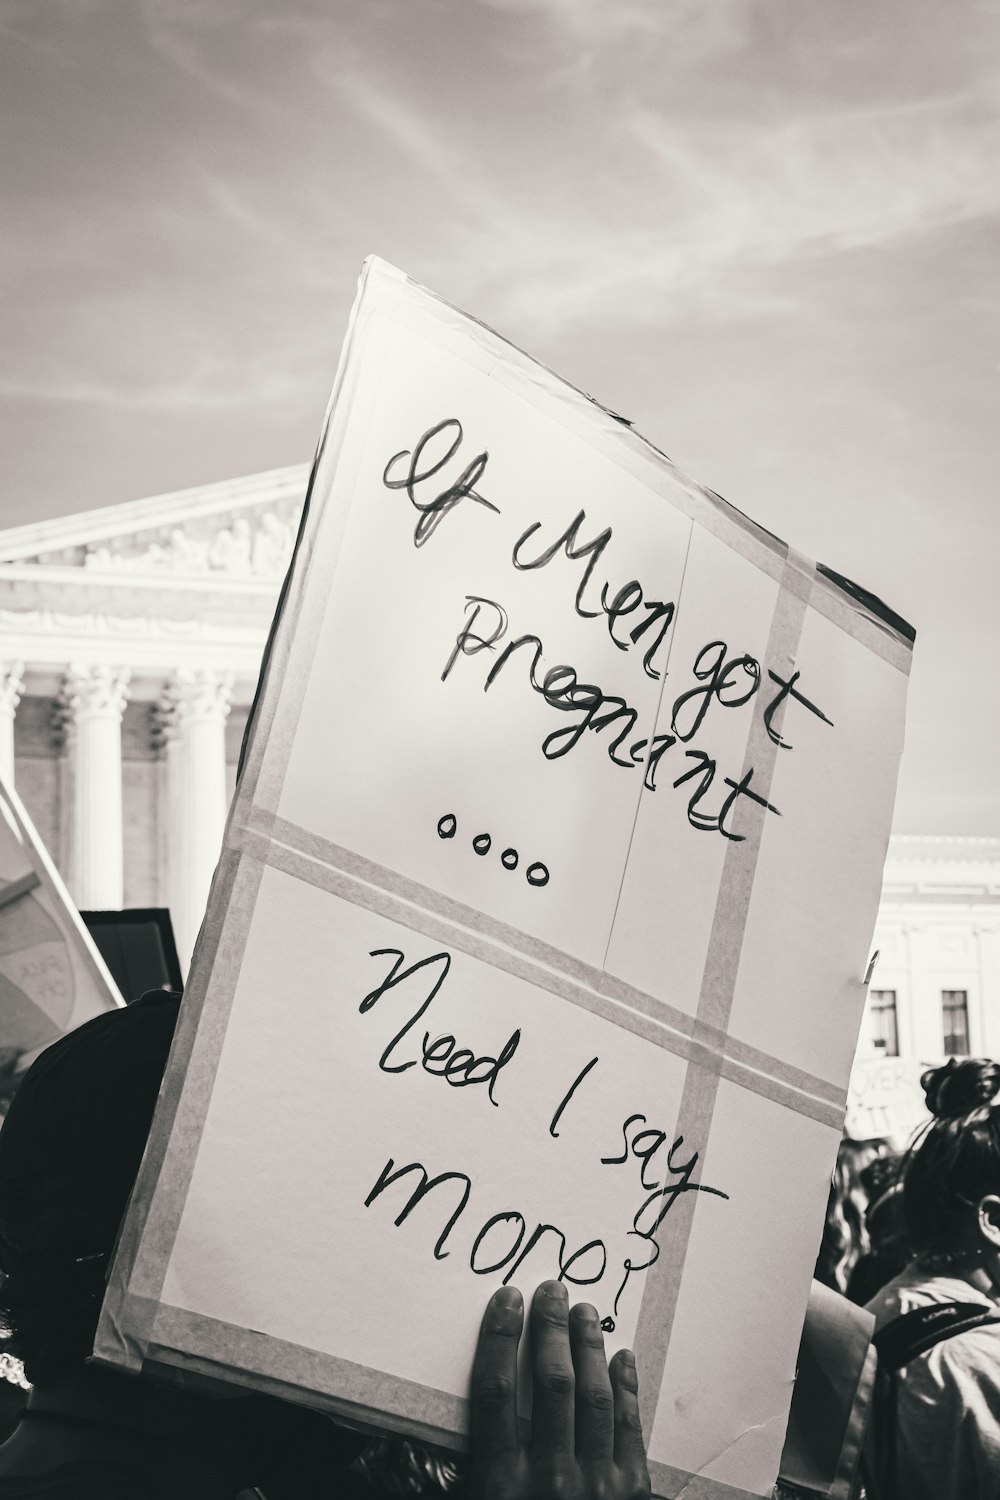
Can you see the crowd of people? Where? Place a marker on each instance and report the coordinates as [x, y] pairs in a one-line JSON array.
[[915, 1237]]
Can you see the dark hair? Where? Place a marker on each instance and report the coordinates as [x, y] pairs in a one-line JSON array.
[[845, 1236], [955, 1161]]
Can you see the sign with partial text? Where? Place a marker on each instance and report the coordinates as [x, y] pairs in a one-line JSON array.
[[537, 943], [52, 977]]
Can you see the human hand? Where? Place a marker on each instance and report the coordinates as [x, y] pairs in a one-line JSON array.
[[586, 1436]]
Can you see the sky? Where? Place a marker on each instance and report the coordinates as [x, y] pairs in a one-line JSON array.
[[766, 231]]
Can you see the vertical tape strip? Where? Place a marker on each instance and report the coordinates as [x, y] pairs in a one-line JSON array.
[[701, 1083]]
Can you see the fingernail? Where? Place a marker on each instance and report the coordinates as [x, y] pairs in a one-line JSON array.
[[585, 1312], [556, 1290], [508, 1296], [627, 1358]]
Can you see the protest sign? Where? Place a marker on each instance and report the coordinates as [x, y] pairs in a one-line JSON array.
[[537, 941], [52, 977], [885, 1099]]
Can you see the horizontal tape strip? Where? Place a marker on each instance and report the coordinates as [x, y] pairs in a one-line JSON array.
[[356, 1393], [337, 1385], [612, 1000]]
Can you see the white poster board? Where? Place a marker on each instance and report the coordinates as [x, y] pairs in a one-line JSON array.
[[536, 945], [52, 978]]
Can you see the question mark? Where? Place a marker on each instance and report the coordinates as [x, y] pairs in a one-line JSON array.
[[628, 1266]]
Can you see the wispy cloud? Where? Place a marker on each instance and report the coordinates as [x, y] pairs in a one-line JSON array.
[[839, 179], [732, 201], [176, 32], [588, 36], [387, 112], [294, 249], [597, 20], [212, 386]]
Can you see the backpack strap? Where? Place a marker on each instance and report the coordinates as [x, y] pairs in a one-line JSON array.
[[915, 1332], [897, 1344]]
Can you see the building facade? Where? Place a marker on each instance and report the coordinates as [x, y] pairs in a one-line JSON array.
[[935, 988], [935, 985], [130, 641]]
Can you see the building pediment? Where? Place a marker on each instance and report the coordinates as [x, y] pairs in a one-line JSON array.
[[238, 531], [172, 580]]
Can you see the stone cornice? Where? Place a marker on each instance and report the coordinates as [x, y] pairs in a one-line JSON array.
[[275, 488], [152, 642], [34, 587], [936, 869]]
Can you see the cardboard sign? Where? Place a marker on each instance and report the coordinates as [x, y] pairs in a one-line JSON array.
[[885, 1099], [536, 945], [52, 977]]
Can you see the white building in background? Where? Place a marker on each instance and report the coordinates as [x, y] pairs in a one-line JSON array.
[[130, 640], [935, 988]]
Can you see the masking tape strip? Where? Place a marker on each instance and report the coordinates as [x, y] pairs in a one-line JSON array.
[[143, 1251], [292, 642], [337, 1385], [355, 1393], [701, 1086], [593, 991], [278, 831], [126, 1313], [125, 1330]]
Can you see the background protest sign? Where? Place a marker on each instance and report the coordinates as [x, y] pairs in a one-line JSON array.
[[52, 977], [885, 1099], [537, 941]]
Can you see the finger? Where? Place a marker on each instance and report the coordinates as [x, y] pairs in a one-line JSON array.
[[552, 1373], [630, 1453], [494, 1379], [595, 1411]]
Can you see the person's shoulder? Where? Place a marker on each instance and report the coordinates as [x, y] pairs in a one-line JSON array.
[[961, 1374], [974, 1352], [914, 1287]]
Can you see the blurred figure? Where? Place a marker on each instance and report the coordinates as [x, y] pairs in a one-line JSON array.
[[936, 1425], [845, 1237], [889, 1244]]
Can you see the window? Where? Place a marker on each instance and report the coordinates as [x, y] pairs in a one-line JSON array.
[[882, 1022], [955, 1020]]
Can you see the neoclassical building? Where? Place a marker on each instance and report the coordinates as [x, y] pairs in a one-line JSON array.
[[130, 640], [935, 988]]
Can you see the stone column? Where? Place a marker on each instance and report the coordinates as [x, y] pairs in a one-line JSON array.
[[93, 700], [11, 688], [193, 712], [925, 999]]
